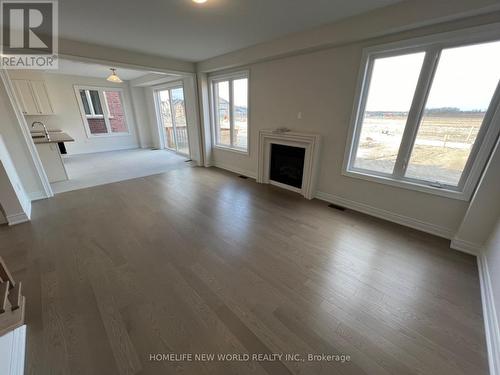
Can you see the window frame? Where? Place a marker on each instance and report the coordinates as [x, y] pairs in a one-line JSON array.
[[230, 77], [487, 136], [90, 103], [105, 110]]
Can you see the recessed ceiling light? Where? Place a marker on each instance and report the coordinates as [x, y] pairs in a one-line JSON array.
[[199, 1]]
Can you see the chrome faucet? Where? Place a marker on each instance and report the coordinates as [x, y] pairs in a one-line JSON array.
[[44, 128]]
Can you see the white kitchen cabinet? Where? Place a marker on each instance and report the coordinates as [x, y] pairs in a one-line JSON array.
[[33, 97], [42, 97], [52, 161], [25, 96]]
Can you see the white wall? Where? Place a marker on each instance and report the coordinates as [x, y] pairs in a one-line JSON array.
[[17, 148], [193, 125], [492, 255], [15, 203], [484, 208], [67, 115], [490, 260], [139, 102]]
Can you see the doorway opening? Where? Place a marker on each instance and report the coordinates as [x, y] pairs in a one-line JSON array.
[[84, 130], [171, 118]]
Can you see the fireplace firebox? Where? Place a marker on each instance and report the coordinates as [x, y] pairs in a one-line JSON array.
[[287, 165]]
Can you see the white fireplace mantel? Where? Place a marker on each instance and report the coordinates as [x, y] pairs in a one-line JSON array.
[[311, 144]]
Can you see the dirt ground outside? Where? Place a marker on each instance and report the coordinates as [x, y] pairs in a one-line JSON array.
[[440, 152]]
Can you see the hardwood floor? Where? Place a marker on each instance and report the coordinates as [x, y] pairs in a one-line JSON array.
[[200, 261]]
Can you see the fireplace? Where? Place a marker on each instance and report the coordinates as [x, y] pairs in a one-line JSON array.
[[287, 165], [289, 160]]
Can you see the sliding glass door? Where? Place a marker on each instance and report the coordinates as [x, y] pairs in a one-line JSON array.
[[171, 112]]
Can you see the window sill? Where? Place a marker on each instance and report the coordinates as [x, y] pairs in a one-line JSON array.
[[232, 149], [105, 135], [409, 185]]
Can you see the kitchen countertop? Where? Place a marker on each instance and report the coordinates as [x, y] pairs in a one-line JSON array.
[[55, 137], [32, 131]]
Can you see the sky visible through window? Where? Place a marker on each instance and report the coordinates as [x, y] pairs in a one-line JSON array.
[[240, 93], [393, 83], [451, 79]]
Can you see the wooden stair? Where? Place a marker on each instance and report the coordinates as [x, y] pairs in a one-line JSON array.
[[4, 295], [5, 274], [12, 302], [15, 296]]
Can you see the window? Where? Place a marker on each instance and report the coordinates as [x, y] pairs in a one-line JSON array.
[[102, 111], [91, 102], [230, 111], [425, 115], [390, 94]]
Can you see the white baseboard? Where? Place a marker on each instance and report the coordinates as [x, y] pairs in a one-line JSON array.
[[26, 204], [37, 195], [386, 215], [237, 170], [491, 323], [465, 246], [18, 218]]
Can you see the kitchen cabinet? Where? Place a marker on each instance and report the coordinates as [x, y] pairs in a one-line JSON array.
[[50, 154], [52, 161], [33, 97]]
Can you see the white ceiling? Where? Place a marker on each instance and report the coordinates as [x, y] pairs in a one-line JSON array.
[[77, 68], [194, 32]]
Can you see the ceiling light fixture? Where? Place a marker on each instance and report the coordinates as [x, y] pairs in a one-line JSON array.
[[113, 77], [199, 1]]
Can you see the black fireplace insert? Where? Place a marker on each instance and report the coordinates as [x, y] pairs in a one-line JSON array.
[[287, 164]]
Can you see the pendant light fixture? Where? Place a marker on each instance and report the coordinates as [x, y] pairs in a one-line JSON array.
[[113, 77]]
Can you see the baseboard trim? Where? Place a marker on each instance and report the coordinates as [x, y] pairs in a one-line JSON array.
[[386, 215], [18, 218], [37, 195], [491, 324], [26, 204], [237, 170], [465, 246]]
